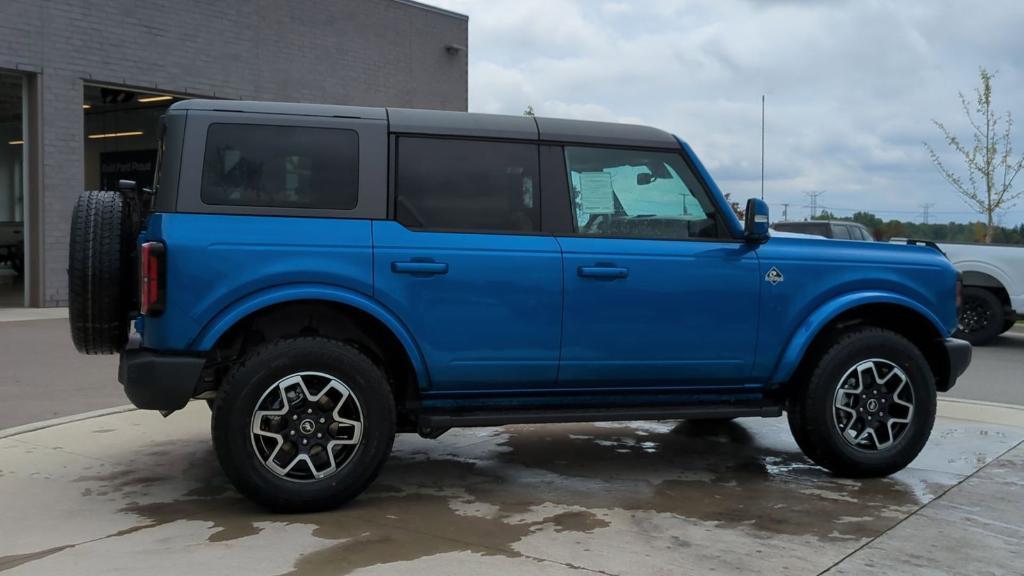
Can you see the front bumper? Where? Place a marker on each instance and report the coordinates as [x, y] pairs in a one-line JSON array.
[[958, 353], [155, 381]]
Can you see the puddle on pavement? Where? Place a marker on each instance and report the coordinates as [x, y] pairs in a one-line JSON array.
[[717, 472], [483, 492]]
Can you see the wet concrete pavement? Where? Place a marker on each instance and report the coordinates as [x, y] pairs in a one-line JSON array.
[[132, 493]]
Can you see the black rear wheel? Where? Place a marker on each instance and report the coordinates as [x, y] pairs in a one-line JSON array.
[[868, 407], [101, 272]]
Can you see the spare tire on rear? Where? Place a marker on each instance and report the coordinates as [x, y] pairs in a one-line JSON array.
[[101, 272]]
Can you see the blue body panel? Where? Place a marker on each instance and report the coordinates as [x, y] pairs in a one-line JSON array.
[[823, 278], [679, 314], [491, 320], [216, 261], [492, 317]]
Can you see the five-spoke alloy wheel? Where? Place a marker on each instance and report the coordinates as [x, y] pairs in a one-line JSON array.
[[303, 424]]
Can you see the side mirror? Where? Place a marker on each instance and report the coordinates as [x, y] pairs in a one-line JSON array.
[[755, 226], [644, 178]]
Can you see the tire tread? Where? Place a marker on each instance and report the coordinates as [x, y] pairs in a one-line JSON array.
[[224, 404], [810, 431], [99, 278]]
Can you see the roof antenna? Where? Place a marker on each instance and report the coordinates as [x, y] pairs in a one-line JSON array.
[[762, 146]]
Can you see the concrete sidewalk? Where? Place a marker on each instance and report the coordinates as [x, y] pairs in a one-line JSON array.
[[135, 493]]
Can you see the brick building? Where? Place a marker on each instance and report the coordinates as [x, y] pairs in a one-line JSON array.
[[82, 84]]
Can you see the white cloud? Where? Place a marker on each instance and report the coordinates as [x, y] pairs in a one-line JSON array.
[[851, 85]]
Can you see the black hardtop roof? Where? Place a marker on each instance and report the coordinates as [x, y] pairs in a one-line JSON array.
[[448, 123]]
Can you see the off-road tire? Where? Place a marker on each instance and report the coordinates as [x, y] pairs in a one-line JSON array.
[[1007, 325], [240, 394], [101, 272], [982, 301], [811, 412]]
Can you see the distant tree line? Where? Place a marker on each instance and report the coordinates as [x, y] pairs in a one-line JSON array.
[[950, 232]]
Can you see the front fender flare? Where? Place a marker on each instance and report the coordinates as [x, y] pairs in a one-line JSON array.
[[813, 324], [239, 309], [989, 270]]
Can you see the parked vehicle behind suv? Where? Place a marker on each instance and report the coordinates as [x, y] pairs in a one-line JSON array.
[[835, 229], [328, 276], [993, 280]]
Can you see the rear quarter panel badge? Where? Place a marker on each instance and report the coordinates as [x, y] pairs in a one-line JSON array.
[[773, 276]]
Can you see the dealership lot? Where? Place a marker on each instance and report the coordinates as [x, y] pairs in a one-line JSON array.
[[130, 490]]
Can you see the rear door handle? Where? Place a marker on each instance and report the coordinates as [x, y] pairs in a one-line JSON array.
[[602, 272], [424, 268]]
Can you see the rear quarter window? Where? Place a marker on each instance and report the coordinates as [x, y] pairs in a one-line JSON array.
[[281, 167]]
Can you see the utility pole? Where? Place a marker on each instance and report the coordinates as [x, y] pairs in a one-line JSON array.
[[785, 211], [813, 195], [926, 207]]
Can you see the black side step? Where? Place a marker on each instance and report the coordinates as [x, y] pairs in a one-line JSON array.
[[431, 423]]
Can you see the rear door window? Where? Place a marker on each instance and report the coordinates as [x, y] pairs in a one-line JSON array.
[[467, 185], [841, 232], [281, 166]]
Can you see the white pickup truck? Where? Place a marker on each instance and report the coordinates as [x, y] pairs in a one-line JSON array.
[[993, 288]]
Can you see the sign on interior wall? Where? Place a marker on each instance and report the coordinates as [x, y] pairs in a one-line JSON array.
[[137, 165]]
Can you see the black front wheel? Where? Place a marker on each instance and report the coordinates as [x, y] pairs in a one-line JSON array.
[[1009, 323], [868, 407], [303, 424], [982, 316]]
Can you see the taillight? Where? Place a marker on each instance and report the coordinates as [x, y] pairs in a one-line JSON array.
[[151, 278]]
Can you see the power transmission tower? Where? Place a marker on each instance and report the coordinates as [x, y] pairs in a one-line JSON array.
[[785, 212], [813, 195], [925, 211]]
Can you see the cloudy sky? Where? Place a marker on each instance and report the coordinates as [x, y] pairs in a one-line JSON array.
[[851, 85]]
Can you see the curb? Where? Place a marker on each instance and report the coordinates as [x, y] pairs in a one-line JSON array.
[[979, 411], [27, 314], [26, 428]]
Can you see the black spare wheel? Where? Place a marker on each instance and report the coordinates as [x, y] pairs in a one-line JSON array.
[[101, 272]]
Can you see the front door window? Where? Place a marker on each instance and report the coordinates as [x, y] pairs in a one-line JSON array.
[[637, 194]]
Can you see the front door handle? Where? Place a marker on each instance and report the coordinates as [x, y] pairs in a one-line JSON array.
[[423, 268], [602, 272]]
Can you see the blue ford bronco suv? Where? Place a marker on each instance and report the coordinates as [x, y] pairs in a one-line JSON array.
[[328, 276]]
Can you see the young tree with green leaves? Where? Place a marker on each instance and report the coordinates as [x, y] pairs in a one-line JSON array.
[[988, 186]]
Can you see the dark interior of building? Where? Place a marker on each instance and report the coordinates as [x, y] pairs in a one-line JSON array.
[[120, 134], [11, 191]]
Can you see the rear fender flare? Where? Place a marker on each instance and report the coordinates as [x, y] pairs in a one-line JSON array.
[[242, 308], [817, 320]]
